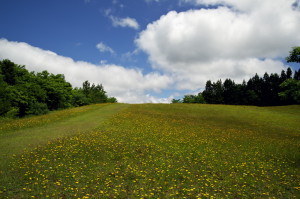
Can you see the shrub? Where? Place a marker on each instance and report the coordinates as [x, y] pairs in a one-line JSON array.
[[37, 109]]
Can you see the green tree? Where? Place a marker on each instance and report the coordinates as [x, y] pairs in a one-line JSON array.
[[189, 99], [290, 91], [5, 104], [79, 98], [294, 55], [174, 101], [8, 70], [98, 94], [86, 87], [200, 99], [58, 91], [26, 93], [21, 90], [94, 93]]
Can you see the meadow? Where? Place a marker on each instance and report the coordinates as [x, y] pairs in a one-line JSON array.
[[157, 151]]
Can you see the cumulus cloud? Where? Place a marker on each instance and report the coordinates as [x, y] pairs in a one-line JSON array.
[[196, 75], [104, 48], [226, 39], [247, 5], [235, 39], [124, 22], [128, 85]]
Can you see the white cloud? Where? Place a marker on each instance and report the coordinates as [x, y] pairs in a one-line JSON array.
[[104, 48], [148, 1], [128, 85], [124, 22], [121, 22], [196, 75], [247, 5], [235, 41]]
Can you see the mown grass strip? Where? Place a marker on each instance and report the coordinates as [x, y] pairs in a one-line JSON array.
[[30, 132]]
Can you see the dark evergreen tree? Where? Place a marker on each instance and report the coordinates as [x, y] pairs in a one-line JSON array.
[[254, 90], [231, 92], [289, 73], [218, 92], [297, 75], [283, 76], [274, 82], [208, 93], [265, 90], [269, 90], [242, 89]]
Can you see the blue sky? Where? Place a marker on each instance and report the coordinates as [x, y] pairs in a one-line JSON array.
[[72, 28], [150, 50]]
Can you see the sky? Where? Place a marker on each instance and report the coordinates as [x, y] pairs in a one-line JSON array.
[[150, 51]]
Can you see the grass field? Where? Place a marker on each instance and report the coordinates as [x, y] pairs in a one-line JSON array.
[[153, 151]]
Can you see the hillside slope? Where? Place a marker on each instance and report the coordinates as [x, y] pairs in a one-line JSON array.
[[168, 151]]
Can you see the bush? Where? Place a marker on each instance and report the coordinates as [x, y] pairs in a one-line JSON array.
[[12, 113], [112, 100], [37, 109]]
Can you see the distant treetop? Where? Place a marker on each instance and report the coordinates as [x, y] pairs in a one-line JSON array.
[[294, 55]]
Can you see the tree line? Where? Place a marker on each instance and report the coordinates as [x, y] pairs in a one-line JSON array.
[[269, 90], [28, 93]]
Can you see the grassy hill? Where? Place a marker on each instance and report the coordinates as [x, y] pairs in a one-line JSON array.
[[153, 151]]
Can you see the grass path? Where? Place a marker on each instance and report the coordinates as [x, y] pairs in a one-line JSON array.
[[86, 119]]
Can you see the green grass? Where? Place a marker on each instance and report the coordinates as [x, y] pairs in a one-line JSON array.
[[17, 135], [164, 151]]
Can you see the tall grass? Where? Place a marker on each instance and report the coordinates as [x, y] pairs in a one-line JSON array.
[[168, 151]]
